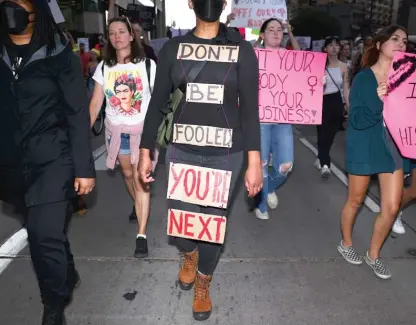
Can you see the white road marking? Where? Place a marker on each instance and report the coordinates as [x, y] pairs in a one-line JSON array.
[[368, 201], [17, 242]]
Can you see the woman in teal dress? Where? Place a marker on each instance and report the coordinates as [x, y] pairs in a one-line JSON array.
[[371, 150]]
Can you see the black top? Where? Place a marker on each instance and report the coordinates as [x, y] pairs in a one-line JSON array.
[[44, 125], [239, 110]]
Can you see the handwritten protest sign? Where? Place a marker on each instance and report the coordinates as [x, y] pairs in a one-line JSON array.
[[202, 135], [290, 86], [196, 226], [252, 13], [204, 93], [399, 106], [199, 185], [204, 52]]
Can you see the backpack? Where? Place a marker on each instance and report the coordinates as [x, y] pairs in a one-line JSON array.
[[165, 128]]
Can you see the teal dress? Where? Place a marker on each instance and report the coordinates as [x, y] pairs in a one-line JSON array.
[[370, 147]]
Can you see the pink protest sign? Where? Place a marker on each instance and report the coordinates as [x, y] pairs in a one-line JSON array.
[[399, 106], [290, 86]]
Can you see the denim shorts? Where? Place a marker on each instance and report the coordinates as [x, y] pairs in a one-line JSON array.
[[124, 145]]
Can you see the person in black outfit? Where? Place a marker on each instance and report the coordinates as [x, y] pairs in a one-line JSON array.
[[237, 111], [44, 141]]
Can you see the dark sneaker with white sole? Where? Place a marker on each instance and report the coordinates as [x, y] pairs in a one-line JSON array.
[[349, 254], [378, 267], [141, 248]]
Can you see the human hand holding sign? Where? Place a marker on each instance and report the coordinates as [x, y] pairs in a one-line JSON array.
[[254, 174], [382, 90], [84, 186]]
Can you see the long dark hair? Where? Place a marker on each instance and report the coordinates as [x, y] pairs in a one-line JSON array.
[[329, 40], [44, 32], [371, 55], [137, 52]]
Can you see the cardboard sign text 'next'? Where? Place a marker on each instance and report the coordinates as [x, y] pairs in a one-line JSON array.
[[400, 104], [199, 185], [196, 226], [290, 86]]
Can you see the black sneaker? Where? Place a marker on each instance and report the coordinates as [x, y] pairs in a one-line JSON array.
[[133, 215], [53, 315], [141, 248]]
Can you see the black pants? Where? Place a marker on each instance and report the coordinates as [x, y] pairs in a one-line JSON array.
[[209, 253], [332, 117], [47, 227]]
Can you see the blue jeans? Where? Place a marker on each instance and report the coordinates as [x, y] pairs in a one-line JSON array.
[[276, 139]]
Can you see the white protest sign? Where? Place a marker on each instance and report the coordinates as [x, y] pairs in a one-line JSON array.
[[204, 52], [205, 93], [202, 135], [252, 13], [199, 185], [196, 226]]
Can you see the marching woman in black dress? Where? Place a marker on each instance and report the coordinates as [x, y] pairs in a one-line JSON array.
[[45, 153], [236, 70]]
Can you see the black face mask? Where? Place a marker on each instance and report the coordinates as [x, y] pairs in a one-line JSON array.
[[16, 17], [208, 10]]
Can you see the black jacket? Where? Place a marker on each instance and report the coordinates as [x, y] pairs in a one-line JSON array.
[[239, 111], [44, 127]]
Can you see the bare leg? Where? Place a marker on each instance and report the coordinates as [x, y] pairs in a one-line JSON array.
[[127, 170], [142, 201], [391, 187], [357, 188]]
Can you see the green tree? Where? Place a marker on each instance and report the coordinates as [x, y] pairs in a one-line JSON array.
[[315, 23]]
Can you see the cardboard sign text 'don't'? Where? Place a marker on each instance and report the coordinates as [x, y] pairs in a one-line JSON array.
[[205, 93], [196, 226], [199, 185], [202, 135], [205, 52]]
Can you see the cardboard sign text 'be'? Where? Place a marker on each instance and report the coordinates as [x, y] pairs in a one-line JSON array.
[[199, 185], [290, 86], [196, 226]]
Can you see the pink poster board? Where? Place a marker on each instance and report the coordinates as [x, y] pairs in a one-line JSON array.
[[400, 104], [290, 86]]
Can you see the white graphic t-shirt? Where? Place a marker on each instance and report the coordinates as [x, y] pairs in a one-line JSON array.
[[127, 91]]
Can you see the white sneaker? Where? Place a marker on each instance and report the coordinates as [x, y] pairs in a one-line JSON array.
[[325, 171], [261, 215], [317, 164], [272, 200], [398, 226]]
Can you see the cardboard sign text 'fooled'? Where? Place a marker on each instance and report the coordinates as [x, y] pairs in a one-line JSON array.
[[204, 52], [196, 226], [202, 135], [205, 93], [199, 185]]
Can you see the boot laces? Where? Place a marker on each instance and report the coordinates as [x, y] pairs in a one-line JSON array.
[[188, 263], [201, 289]]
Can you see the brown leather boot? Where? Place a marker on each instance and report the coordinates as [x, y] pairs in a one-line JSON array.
[[202, 302], [188, 270]]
